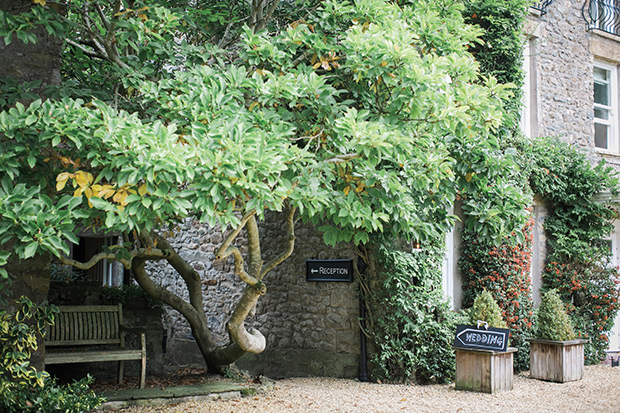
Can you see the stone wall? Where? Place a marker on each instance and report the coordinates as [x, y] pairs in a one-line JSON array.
[[562, 66], [562, 59], [311, 327]]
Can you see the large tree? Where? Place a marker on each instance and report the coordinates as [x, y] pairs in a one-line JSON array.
[[358, 117]]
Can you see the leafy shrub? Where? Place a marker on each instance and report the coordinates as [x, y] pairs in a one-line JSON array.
[[65, 273], [126, 295], [51, 397], [485, 308], [503, 271], [578, 262], [410, 322], [552, 322], [22, 387], [501, 52]]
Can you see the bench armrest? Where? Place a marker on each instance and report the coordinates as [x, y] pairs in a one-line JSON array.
[[138, 330]]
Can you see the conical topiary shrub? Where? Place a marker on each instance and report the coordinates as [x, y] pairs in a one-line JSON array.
[[555, 355], [553, 323], [485, 308], [487, 371]]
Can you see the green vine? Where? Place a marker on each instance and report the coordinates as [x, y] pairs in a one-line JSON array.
[[500, 53], [411, 326], [503, 271], [578, 260]]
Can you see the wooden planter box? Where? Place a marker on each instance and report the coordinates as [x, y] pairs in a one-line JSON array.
[[485, 371], [558, 361]]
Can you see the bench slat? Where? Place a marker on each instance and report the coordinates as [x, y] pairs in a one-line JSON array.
[[92, 356], [81, 342]]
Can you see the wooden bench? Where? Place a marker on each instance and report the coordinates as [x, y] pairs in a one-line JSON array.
[[93, 333]]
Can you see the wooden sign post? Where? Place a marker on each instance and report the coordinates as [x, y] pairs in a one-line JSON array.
[[484, 362]]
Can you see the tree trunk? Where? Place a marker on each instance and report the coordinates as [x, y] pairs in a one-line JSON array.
[[30, 62], [30, 278], [27, 63]]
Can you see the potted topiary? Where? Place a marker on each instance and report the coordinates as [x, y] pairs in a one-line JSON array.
[[555, 354], [485, 370]]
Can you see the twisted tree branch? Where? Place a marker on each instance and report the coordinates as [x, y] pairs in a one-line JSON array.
[[290, 232], [145, 253]]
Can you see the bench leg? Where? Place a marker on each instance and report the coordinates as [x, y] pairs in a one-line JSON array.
[[121, 367], [143, 371]]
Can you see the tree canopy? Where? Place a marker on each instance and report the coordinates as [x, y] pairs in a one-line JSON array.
[[358, 116]]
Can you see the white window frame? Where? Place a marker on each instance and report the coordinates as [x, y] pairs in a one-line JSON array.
[[526, 107], [614, 336], [612, 122]]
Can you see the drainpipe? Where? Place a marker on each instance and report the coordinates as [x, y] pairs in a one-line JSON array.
[[363, 347]]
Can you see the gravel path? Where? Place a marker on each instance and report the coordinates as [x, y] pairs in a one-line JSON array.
[[598, 391]]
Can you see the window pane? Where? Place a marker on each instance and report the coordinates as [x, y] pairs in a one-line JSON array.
[[601, 135], [601, 113], [601, 74], [601, 93]]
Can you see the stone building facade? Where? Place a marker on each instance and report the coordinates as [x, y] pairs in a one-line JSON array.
[[571, 66], [572, 56]]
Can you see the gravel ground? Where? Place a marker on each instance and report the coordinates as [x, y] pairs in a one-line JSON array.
[[598, 391]]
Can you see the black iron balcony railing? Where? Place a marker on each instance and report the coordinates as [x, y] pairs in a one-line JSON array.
[[602, 15], [541, 6]]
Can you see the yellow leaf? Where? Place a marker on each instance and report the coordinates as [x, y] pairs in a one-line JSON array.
[[41, 2], [469, 176], [123, 198], [61, 181], [346, 190], [106, 191], [64, 176], [142, 190], [120, 208], [252, 106], [60, 185], [383, 64], [83, 178], [78, 192], [88, 192], [117, 196]]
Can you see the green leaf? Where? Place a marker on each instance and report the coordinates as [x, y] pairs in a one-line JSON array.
[[30, 250]]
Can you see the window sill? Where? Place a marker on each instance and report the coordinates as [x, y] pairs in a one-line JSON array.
[[607, 153], [604, 34]]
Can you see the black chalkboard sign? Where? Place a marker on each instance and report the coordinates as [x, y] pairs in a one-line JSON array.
[[329, 270], [483, 338]]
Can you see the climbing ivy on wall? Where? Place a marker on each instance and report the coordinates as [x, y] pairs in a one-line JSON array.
[[500, 53], [579, 258], [504, 271], [501, 267], [410, 324]]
